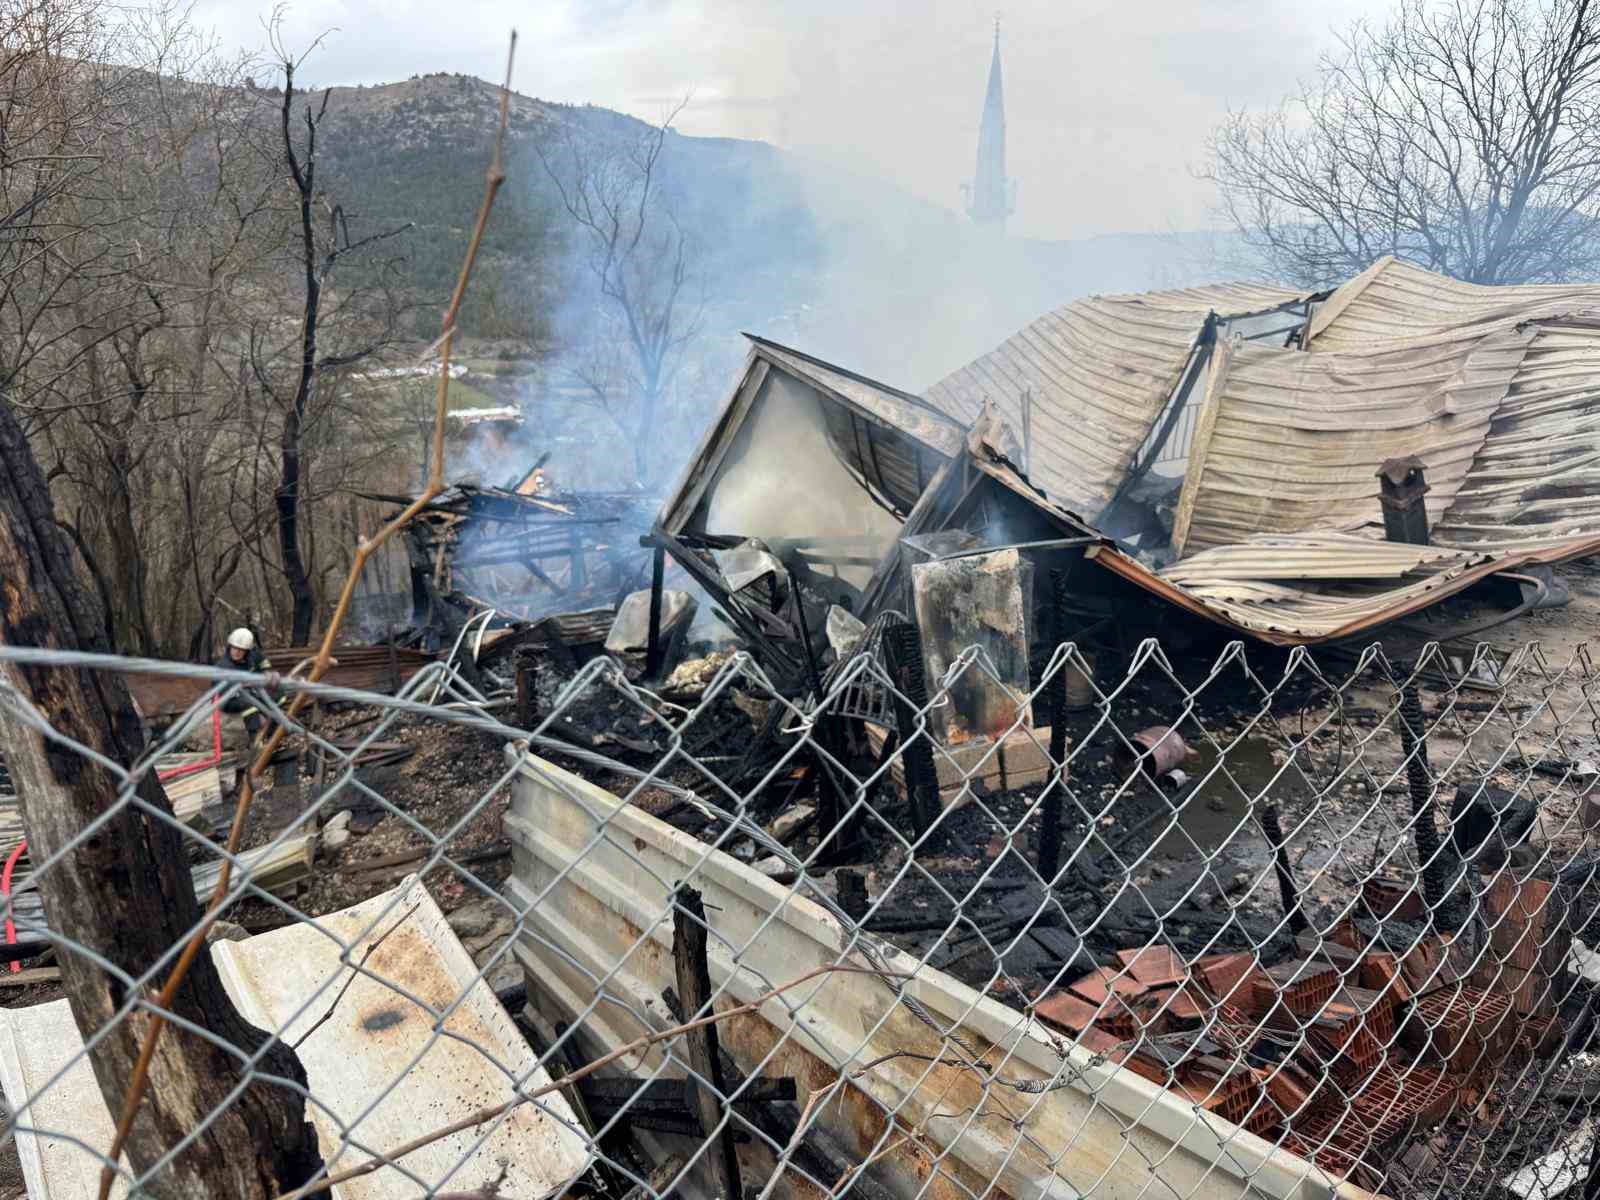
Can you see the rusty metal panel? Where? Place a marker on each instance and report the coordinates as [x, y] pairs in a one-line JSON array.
[[1289, 616], [978, 600], [379, 1066]]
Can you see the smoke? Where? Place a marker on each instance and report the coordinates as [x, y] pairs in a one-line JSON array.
[[491, 453], [837, 263]]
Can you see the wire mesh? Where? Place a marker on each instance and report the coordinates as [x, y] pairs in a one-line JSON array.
[[1267, 924]]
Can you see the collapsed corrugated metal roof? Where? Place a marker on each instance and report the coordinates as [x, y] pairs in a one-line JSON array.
[[1495, 389], [1535, 476], [1257, 419], [1290, 442], [1396, 302], [1093, 377]]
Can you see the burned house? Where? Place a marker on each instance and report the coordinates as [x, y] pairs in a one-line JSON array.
[[521, 553], [1220, 451]]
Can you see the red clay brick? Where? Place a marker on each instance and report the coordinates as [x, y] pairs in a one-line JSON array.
[[1299, 986], [1350, 1036], [1391, 1102], [1393, 899], [1381, 973], [1516, 913], [1066, 1010], [1231, 1090], [1542, 1036], [1422, 965], [1325, 949], [1156, 965], [1290, 1089], [1102, 982], [1468, 1028], [1226, 976], [1180, 1004]]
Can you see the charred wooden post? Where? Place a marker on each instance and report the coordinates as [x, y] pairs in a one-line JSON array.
[[652, 657], [1049, 857], [693, 974], [125, 895], [526, 706], [837, 829], [902, 646], [578, 572], [1288, 893], [1419, 781], [1402, 484], [1058, 698], [853, 895]]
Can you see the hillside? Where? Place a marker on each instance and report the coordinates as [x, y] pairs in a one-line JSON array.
[[849, 267]]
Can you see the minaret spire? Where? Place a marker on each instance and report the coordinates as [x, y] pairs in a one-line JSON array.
[[990, 197]]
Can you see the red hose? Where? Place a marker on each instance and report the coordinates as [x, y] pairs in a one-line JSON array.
[[5, 891], [216, 751]]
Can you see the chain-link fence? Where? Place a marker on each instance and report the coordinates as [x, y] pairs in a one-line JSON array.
[[1285, 925]]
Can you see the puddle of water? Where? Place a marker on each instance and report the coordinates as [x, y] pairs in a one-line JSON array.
[[1211, 813]]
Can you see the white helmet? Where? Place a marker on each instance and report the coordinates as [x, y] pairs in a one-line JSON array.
[[242, 639]]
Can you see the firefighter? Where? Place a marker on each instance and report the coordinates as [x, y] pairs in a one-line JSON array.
[[243, 654]]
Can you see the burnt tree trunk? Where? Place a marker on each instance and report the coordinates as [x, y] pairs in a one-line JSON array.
[[289, 470], [125, 893]]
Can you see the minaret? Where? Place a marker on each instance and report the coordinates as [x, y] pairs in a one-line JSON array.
[[990, 198]]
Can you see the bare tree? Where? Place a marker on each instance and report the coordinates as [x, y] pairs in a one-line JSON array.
[[319, 252], [1463, 136], [123, 897], [158, 245], [639, 263]]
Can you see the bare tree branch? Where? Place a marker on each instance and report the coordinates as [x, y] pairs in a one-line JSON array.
[[1460, 136]]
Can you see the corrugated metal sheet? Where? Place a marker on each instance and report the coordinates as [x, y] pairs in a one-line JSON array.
[[1290, 441], [1310, 556], [1536, 477], [911, 437], [378, 1068], [600, 904], [901, 410], [1251, 583], [38, 1046], [1396, 302], [1097, 373], [1362, 587]]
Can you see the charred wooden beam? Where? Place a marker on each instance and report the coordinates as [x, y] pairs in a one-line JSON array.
[[693, 975], [1419, 782], [652, 657]]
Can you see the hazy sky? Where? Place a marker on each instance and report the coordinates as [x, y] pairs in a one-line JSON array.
[[1108, 102]]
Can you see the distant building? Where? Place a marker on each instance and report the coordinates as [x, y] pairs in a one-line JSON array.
[[991, 197]]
